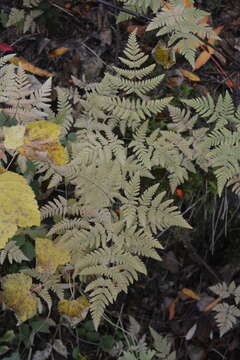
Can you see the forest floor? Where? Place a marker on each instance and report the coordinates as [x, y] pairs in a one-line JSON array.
[[174, 296]]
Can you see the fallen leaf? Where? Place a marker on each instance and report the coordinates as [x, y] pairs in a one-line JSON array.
[[13, 136], [172, 308], [189, 75], [190, 293], [29, 67], [57, 52], [140, 29], [206, 54], [19, 207], [5, 47]]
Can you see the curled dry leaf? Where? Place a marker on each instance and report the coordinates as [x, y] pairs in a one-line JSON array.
[[58, 52], [190, 293], [29, 67]]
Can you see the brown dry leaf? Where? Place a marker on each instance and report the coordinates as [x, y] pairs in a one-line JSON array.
[[140, 29], [58, 52], [190, 293], [204, 20], [212, 304], [175, 79], [206, 54], [29, 67], [172, 308]]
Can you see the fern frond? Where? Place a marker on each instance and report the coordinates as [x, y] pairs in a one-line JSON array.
[[13, 253], [57, 207], [183, 24], [226, 317]]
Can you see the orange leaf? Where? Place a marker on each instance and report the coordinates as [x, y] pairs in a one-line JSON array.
[[172, 308], [231, 84], [140, 29], [29, 67], [203, 20], [186, 3], [206, 54], [190, 293], [212, 304], [202, 59], [189, 75], [57, 52]]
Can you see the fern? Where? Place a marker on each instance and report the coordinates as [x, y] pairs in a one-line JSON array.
[[163, 346], [226, 315], [24, 19], [13, 253], [31, 3], [139, 6], [183, 25], [21, 102]]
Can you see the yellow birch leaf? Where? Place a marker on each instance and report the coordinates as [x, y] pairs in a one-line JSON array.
[[29, 67], [57, 52], [41, 143], [49, 255], [74, 308], [13, 136], [17, 296], [18, 205], [189, 75]]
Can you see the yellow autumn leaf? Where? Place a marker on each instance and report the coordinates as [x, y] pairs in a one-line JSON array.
[[13, 136], [57, 52], [189, 75], [163, 55], [190, 293], [74, 308], [17, 296], [18, 205], [29, 67], [49, 255], [41, 143]]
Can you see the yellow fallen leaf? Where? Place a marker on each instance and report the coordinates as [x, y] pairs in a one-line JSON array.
[[74, 308], [50, 255], [17, 296], [163, 55], [190, 293], [57, 52], [29, 67], [189, 75], [41, 143], [18, 205], [13, 136]]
